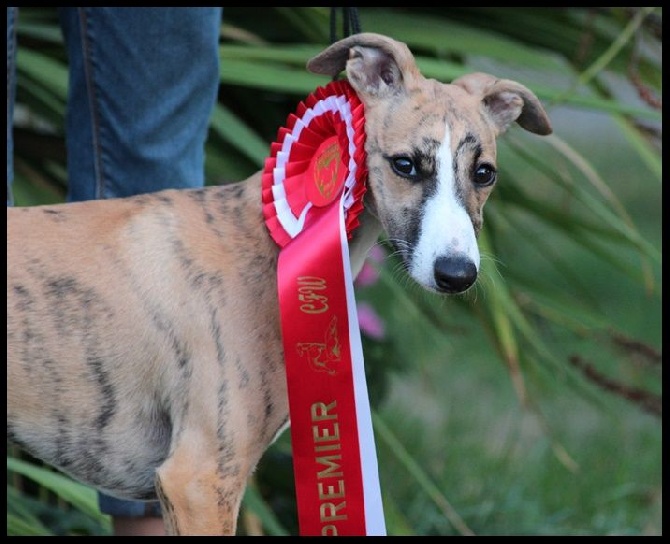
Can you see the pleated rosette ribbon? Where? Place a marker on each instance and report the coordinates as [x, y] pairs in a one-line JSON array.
[[313, 185]]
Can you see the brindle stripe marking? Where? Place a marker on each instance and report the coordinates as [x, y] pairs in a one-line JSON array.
[[202, 281], [227, 503], [198, 196], [268, 403], [108, 409], [33, 357], [56, 215], [468, 154], [226, 448], [256, 274], [242, 373], [75, 308], [31, 337], [237, 190], [215, 329], [77, 451], [62, 438], [167, 509], [164, 324], [161, 196]]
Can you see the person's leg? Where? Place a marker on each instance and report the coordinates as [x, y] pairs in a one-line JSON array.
[[11, 90], [143, 82], [132, 518]]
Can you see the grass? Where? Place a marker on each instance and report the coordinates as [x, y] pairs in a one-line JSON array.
[[578, 468], [577, 461]]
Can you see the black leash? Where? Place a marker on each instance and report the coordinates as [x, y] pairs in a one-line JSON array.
[[351, 23]]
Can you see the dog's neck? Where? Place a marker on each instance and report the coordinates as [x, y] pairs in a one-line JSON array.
[[364, 237]]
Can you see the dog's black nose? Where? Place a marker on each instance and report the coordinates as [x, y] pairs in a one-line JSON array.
[[454, 274]]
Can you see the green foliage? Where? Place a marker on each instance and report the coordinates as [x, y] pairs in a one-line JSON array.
[[76, 511], [524, 407]]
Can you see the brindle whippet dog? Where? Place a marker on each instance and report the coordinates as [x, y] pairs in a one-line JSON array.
[[144, 348]]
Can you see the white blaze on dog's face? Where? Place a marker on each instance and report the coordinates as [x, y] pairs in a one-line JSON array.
[[431, 152], [446, 232]]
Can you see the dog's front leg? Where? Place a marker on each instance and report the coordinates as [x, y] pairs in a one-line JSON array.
[[198, 495]]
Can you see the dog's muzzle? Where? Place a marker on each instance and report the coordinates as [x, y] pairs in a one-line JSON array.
[[454, 274]]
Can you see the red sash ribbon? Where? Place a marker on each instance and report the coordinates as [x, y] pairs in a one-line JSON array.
[[313, 184]]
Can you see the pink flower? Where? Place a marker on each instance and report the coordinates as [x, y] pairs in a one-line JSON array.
[[370, 322], [369, 274]]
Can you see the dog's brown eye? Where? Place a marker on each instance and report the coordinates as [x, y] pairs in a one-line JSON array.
[[485, 175], [404, 166]]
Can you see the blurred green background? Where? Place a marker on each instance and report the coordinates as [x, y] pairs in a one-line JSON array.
[[530, 405]]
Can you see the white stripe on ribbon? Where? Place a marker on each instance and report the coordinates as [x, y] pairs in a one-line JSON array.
[[374, 512]]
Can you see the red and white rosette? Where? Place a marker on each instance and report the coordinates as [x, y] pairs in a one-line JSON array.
[[313, 185]]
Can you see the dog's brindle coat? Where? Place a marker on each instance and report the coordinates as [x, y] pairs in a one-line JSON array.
[[143, 342]]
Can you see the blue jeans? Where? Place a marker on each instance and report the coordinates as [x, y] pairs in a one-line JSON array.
[[142, 86]]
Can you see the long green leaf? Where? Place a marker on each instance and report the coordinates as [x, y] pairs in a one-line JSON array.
[[254, 501], [266, 75], [238, 134], [421, 478], [21, 518], [43, 70], [80, 496]]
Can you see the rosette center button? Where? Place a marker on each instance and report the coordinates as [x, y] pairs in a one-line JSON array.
[[326, 173]]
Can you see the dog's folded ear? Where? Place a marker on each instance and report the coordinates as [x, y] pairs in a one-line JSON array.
[[376, 65], [507, 101], [379, 67]]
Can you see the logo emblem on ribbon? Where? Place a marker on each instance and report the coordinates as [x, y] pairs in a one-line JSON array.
[[313, 187], [325, 355]]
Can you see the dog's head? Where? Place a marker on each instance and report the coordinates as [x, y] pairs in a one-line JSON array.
[[431, 152]]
